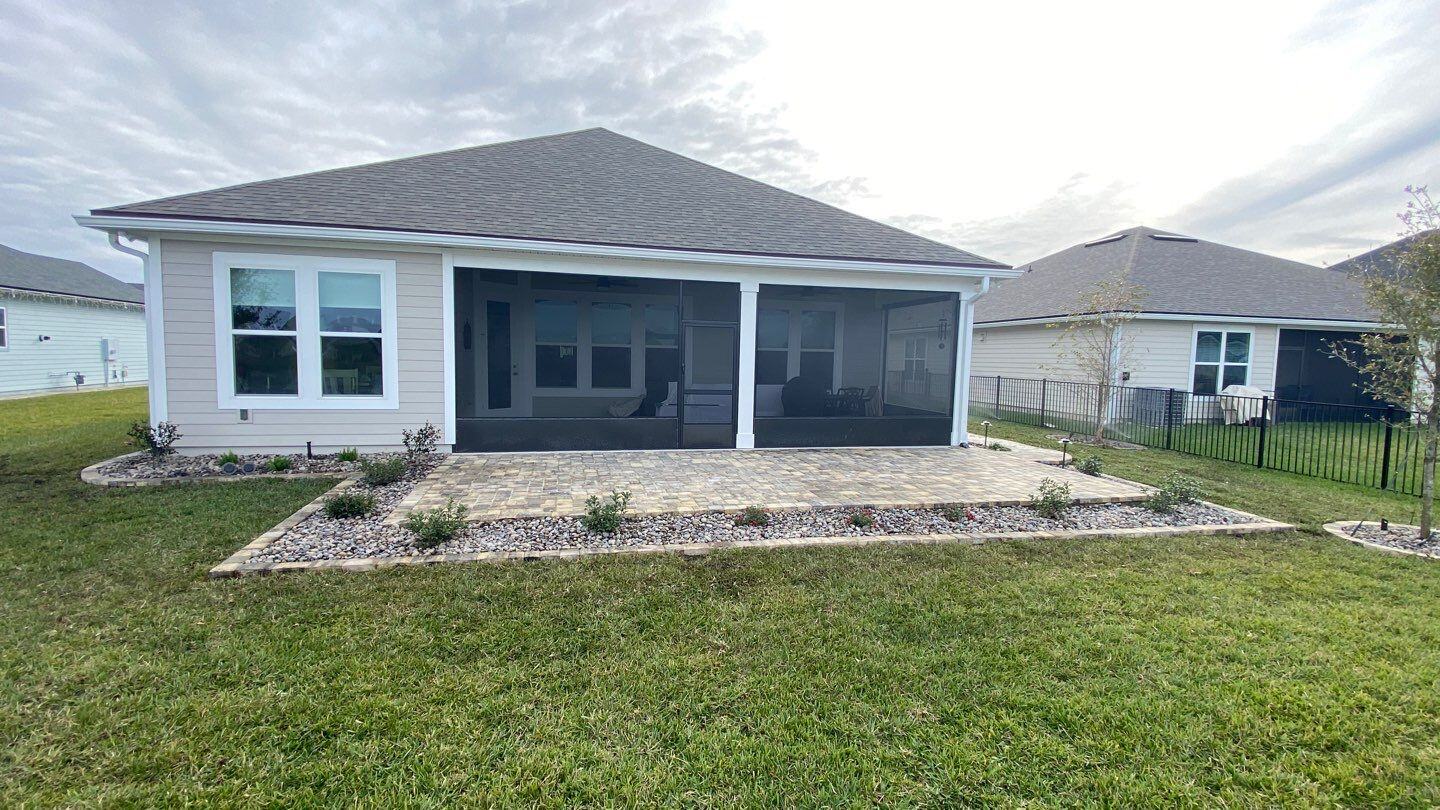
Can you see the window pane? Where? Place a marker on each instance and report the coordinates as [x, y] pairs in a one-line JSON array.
[[1207, 347], [772, 329], [2, 316], [662, 326], [1234, 375], [818, 366], [350, 302], [817, 330], [1204, 379], [265, 364], [610, 324], [350, 366], [555, 366], [662, 365], [555, 322], [1237, 347], [610, 367], [771, 367], [262, 298]]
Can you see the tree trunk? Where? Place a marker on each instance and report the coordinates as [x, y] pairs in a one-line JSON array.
[[1103, 395], [1427, 475]]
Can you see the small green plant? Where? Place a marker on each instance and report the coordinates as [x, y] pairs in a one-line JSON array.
[[348, 454], [228, 457], [1051, 499], [280, 463], [1000, 447], [1090, 465], [861, 518], [753, 516], [604, 516], [158, 440], [377, 472], [349, 505], [1175, 489], [420, 442], [955, 513], [433, 527]]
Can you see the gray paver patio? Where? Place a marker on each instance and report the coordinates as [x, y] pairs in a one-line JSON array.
[[496, 486]]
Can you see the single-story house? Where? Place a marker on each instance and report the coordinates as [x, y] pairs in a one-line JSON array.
[[66, 325], [575, 291], [1211, 316]]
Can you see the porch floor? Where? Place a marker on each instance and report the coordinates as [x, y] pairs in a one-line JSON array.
[[511, 485]]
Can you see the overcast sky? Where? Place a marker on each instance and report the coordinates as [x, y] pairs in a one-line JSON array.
[[1011, 130]]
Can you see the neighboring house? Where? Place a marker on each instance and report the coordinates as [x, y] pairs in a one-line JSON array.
[[1212, 316], [1384, 259], [64, 324], [575, 291]]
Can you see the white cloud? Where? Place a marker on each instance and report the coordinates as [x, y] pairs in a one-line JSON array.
[[1010, 130]]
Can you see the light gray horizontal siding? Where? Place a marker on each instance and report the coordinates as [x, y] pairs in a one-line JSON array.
[[1020, 351], [190, 358], [75, 329]]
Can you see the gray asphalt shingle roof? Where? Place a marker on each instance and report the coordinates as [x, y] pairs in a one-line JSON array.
[[31, 271], [1180, 275], [1382, 259], [591, 186]]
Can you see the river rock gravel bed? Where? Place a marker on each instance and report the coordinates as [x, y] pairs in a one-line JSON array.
[[1405, 538], [175, 465], [319, 537]]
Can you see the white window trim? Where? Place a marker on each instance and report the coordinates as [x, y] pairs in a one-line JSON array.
[[1220, 372], [307, 334], [584, 344], [4, 329], [795, 313]]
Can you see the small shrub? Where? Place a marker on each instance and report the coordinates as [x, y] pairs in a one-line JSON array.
[[280, 463], [349, 505], [753, 516], [348, 454], [377, 472], [955, 513], [158, 440], [433, 527], [421, 441], [1090, 465], [1175, 490], [1051, 499], [1000, 447], [604, 516], [861, 518], [228, 457]]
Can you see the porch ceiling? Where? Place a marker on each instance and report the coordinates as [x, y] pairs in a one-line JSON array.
[[497, 486]]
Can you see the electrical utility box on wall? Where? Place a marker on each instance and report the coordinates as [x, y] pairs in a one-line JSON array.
[[109, 350]]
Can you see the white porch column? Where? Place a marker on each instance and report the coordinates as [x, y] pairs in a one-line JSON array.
[[960, 426], [745, 381]]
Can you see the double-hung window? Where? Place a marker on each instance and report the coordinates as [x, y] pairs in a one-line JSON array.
[[557, 341], [609, 345], [4, 330], [305, 332], [1222, 359], [915, 371]]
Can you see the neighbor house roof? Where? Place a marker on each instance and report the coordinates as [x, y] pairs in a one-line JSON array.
[[1382, 259], [1180, 275], [593, 186], [29, 271]]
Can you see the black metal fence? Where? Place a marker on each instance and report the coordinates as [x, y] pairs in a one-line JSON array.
[[1372, 446]]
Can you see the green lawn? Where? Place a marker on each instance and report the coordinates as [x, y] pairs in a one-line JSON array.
[[1291, 669]]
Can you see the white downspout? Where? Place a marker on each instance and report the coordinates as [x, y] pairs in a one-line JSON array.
[[154, 323]]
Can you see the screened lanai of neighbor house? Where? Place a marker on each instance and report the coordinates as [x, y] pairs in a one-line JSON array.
[[582, 291]]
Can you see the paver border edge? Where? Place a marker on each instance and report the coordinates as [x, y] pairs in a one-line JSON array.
[[1339, 527], [92, 475]]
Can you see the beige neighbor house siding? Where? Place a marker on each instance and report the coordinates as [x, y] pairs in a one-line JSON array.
[[187, 283], [1163, 349], [1027, 352]]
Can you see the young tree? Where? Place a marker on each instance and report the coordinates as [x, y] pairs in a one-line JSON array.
[[1094, 343], [1403, 366]]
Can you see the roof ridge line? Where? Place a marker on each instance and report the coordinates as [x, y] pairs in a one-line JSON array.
[[317, 172]]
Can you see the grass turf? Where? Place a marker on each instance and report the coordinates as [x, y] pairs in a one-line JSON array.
[[1193, 671]]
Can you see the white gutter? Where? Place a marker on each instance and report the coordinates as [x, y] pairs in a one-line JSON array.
[[1147, 316], [113, 223]]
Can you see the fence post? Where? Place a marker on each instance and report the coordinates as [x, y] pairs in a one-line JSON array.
[[997, 396], [1169, 415], [1264, 420], [1385, 458], [1043, 382]]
